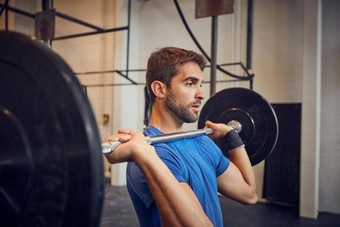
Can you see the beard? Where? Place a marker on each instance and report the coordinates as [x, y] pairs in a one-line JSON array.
[[182, 112]]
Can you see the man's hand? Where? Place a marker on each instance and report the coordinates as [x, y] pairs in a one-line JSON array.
[[132, 148], [220, 130]]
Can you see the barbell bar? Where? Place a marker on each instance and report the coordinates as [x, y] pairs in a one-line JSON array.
[[109, 147]]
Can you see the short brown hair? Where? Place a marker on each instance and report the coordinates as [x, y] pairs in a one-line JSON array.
[[164, 63]]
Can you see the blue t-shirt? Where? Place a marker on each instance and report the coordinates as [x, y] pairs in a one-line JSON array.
[[196, 161]]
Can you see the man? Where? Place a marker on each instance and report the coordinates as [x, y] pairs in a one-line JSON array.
[[176, 183]]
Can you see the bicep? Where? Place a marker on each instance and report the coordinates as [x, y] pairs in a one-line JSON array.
[[232, 185]]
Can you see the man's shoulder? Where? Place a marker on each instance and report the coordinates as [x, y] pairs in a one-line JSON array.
[[162, 148], [205, 141], [151, 131]]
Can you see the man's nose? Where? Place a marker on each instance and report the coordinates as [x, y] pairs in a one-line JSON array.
[[199, 93]]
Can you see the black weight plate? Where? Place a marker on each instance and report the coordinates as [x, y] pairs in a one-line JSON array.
[[257, 117], [51, 165]]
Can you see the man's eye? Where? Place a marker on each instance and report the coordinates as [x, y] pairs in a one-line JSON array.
[[190, 84]]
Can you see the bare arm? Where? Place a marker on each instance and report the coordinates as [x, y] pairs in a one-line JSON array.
[[238, 181], [176, 202]]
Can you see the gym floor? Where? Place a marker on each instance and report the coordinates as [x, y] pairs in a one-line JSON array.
[[118, 211]]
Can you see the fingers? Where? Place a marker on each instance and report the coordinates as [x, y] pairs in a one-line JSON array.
[[123, 152], [124, 138], [218, 126], [134, 146], [123, 135], [213, 126], [220, 129], [209, 124], [118, 137], [111, 138], [126, 131]]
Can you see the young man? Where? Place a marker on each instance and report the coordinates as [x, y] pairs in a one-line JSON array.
[[176, 183]]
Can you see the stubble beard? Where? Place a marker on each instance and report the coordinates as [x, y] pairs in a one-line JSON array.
[[184, 113]]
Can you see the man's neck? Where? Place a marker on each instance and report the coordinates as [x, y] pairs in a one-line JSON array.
[[164, 120]]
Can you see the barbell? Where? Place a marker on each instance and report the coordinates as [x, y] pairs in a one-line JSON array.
[[51, 156]]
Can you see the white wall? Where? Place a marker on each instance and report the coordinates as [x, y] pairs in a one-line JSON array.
[[277, 50], [310, 122], [330, 122], [277, 56]]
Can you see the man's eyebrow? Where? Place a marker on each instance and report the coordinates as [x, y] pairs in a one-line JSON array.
[[192, 78]]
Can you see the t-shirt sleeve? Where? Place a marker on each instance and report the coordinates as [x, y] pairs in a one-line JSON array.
[[136, 182], [166, 154], [222, 165], [220, 162], [171, 160]]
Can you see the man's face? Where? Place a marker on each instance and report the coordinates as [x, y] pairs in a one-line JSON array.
[[185, 94]]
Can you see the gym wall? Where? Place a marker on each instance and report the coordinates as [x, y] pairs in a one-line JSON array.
[[330, 122]]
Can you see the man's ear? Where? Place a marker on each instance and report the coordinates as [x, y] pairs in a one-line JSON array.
[[159, 89]]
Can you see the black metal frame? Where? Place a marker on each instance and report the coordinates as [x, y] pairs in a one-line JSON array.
[[98, 30]]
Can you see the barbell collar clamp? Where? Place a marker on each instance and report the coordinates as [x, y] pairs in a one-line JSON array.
[[235, 125]]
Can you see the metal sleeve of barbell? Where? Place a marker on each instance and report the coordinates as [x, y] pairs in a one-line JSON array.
[[109, 147]]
